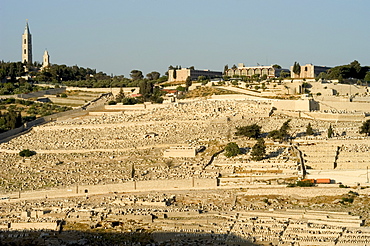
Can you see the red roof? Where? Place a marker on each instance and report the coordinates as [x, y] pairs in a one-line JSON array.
[[136, 95], [169, 90]]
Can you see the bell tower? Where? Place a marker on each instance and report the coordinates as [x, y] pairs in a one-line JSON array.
[[46, 60], [27, 45]]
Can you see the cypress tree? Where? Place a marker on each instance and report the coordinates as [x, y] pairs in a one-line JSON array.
[[18, 120], [296, 68], [258, 150], [330, 132], [188, 82], [309, 130]]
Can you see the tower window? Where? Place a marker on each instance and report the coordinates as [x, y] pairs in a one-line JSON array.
[[25, 41], [25, 51]]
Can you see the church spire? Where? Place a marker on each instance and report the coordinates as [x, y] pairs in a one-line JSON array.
[[46, 60], [27, 28], [27, 45]]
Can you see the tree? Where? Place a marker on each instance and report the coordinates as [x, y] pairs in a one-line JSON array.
[[232, 149], [276, 66], [153, 75], [305, 86], [258, 150], [129, 101], [322, 76], [330, 132], [201, 78], [136, 75], [120, 96], [18, 120], [251, 131], [181, 88], [309, 130], [282, 134], [365, 128], [356, 66], [284, 74], [133, 170], [188, 82], [352, 70], [226, 68], [367, 77], [296, 68], [274, 134]]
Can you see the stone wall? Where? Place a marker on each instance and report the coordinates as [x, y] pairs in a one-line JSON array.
[[148, 185], [345, 106], [10, 133], [34, 226], [136, 107], [336, 116], [296, 105], [115, 91], [179, 152]]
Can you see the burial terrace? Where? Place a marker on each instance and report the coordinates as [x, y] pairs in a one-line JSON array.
[[104, 149]]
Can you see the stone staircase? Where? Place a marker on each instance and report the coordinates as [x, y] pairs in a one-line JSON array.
[[320, 156]]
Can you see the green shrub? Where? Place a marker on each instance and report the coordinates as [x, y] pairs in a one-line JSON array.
[[305, 183], [347, 199], [232, 149], [353, 193], [27, 153]]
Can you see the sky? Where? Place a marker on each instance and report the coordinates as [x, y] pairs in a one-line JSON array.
[[117, 36]]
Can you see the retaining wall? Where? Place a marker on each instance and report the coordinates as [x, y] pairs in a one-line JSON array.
[[12, 132], [136, 107], [34, 226], [98, 102], [325, 116], [149, 185], [345, 106], [42, 93], [114, 90]]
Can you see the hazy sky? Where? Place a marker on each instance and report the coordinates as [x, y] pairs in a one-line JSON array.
[[117, 36]]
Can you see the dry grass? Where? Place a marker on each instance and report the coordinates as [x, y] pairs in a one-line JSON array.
[[207, 91]]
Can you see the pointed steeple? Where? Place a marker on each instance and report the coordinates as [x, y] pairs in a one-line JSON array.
[[27, 28], [27, 45]]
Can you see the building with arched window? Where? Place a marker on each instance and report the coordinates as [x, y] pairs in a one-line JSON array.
[[308, 71], [241, 70]]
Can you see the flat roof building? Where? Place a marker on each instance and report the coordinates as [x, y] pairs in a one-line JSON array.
[[182, 74]]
